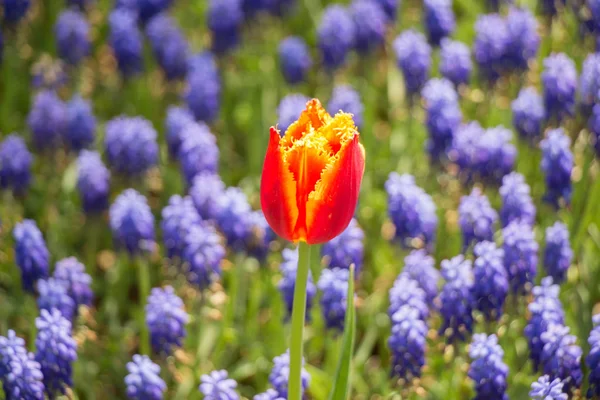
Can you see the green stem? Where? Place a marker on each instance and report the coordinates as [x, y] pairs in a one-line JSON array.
[[144, 291], [298, 317], [199, 323]]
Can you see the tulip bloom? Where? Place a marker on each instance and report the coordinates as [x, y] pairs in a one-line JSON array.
[[311, 176]]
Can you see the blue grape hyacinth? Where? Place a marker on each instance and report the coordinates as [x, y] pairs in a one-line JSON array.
[[31, 254], [72, 273], [557, 253], [234, 217], [592, 360], [547, 389], [487, 370], [203, 91], [169, 46], [561, 356], [202, 255], [15, 10], [412, 211], [345, 98], [269, 394], [477, 218], [439, 20], [166, 319], [81, 124], [54, 294], [557, 165], [143, 380], [47, 119], [443, 115], [369, 25], [559, 79], [280, 374], [177, 217], [406, 291], [15, 164], [455, 61], [589, 81], [11, 346], [72, 36], [333, 285], [456, 299], [413, 56], [176, 120], [529, 114], [390, 8], [206, 189], [224, 21], [93, 182], [594, 127], [131, 145], [407, 343], [520, 255], [289, 110], [149, 8], [286, 285], [346, 248], [294, 59], [198, 152], [336, 36], [420, 267], [56, 350], [132, 222], [523, 38], [517, 204], [217, 385], [491, 43], [25, 379], [490, 286], [126, 41]]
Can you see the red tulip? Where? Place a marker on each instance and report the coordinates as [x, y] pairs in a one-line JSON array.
[[311, 177]]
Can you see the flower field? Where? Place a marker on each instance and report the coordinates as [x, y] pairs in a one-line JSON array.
[[149, 208]]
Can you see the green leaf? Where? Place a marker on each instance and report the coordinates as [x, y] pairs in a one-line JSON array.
[[342, 375]]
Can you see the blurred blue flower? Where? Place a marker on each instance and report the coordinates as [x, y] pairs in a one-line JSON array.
[[126, 41], [93, 182], [149, 8], [56, 350], [491, 45], [24, 379], [206, 189], [561, 356], [288, 267], [455, 61], [336, 36], [217, 385], [477, 218], [31, 253], [523, 38], [345, 98], [130, 145], [412, 211], [270, 394], [280, 374], [487, 369], [589, 81], [47, 119], [294, 59], [166, 319], [490, 280], [132, 222], [559, 80], [390, 7], [594, 8], [520, 255], [346, 249], [406, 291], [169, 46], [177, 217], [517, 204], [15, 10], [557, 164], [224, 21], [143, 381], [369, 25], [594, 127], [234, 217], [413, 56], [592, 360], [81, 124], [557, 253], [529, 114], [439, 20], [202, 255], [54, 293], [546, 389], [456, 299], [198, 152], [11, 346], [203, 92], [289, 110], [72, 36], [443, 115], [177, 118], [15, 164], [420, 266], [407, 343], [72, 273], [333, 285]]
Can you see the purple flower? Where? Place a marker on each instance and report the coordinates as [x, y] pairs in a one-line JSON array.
[[166, 319], [288, 267], [177, 218], [439, 20], [443, 115], [289, 110], [198, 152], [294, 59], [589, 81], [270, 394], [56, 351], [369, 25], [132, 222], [407, 291], [529, 114], [390, 7], [24, 381], [126, 41], [280, 374], [169, 46], [559, 80], [517, 204], [491, 44], [31, 253], [81, 124], [592, 360], [143, 381], [218, 386], [413, 56], [557, 254], [546, 389], [149, 8], [72, 36], [175, 122], [520, 255], [557, 164], [54, 293], [130, 145], [407, 343], [15, 164], [11, 347], [477, 218], [15, 10], [70, 271], [336, 36], [346, 249], [345, 98], [456, 299], [333, 285], [93, 182], [206, 189], [561, 356], [412, 211], [455, 61], [487, 369], [594, 127], [224, 21], [420, 267], [47, 119], [523, 38], [203, 91], [234, 217], [490, 280], [203, 253]]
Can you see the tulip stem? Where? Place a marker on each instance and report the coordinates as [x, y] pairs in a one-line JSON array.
[[298, 317]]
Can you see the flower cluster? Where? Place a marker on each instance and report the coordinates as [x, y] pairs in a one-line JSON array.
[[143, 381], [456, 299], [286, 285], [177, 217], [203, 90], [557, 253], [477, 218], [413, 55], [31, 253], [529, 113], [218, 386], [346, 249], [280, 374], [517, 204], [520, 255], [593, 358], [20, 373], [70, 271], [557, 164], [166, 319], [333, 285], [132, 222], [490, 286], [487, 369]]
